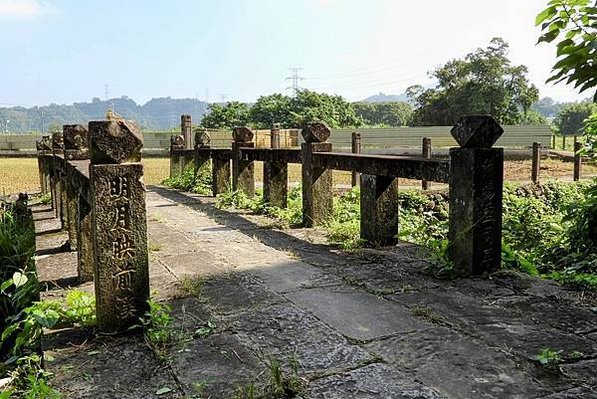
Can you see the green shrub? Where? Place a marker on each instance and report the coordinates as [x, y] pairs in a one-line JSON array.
[[200, 183]]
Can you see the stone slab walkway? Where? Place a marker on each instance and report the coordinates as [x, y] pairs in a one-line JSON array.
[[362, 325]]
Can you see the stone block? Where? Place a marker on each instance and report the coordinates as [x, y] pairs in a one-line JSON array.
[[316, 132], [379, 210], [76, 142], [120, 245], [242, 134], [318, 187], [114, 142], [475, 227], [477, 131]]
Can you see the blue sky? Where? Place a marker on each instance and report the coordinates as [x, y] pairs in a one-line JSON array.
[[63, 51]]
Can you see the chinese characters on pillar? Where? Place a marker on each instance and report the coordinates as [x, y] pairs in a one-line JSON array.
[[123, 250]]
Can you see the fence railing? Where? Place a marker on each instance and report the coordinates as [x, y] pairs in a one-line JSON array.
[[474, 172]]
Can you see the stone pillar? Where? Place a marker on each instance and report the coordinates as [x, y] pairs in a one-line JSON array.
[[186, 129], [317, 182], [356, 149], [202, 144], [275, 136], [379, 210], [57, 186], [577, 160], [243, 170], [72, 214], [44, 159], [176, 143], [76, 147], [476, 182], [220, 174], [275, 175], [536, 162], [118, 224], [85, 261], [426, 153]]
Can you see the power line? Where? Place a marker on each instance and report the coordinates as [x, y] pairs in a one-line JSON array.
[[295, 80]]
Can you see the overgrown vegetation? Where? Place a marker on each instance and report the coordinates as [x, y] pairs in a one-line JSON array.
[[549, 230], [279, 384], [188, 180], [161, 334]]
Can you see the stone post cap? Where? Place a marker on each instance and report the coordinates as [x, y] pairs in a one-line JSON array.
[[57, 140], [185, 117], [316, 132], [44, 144], [477, 131], [177, 141], [276, 126], [76, 137], [242, 134], [114, 142], [202, 137]]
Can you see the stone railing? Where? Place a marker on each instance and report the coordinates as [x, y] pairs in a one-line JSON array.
[[94, 176], [474, 173]]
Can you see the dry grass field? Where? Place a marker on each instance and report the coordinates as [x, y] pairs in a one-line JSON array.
[[20, 174]]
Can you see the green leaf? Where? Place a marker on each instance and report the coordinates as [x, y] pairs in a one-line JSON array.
[[163, 390], [5, 285], [548, 13], [19, 279]]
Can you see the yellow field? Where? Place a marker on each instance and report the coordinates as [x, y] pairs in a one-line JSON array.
[[20, 174]]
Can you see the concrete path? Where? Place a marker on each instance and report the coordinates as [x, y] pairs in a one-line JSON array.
[[364, 325]]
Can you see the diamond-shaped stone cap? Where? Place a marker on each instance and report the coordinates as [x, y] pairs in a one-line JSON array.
[[113, 142], [44, 144], [57, 140], [76, 137], [242, 134], [477, 131], [316, 132], [177, 140], [202, 138]]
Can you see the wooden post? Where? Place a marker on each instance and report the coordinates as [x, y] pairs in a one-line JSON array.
[[536, 162], [564, 142], [577, 160], [317, 182], [275, 175], [356, 149], [243, 171], [476, 183], [426, 153], [118, 224]]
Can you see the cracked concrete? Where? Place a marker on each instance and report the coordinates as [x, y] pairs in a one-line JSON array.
[[361, 325]]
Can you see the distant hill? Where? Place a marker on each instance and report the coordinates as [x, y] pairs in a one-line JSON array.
[[156, 114], [385, 98]]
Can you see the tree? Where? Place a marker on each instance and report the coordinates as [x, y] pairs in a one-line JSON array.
[[310, 106], [570, 119], [574, 22], [392, 113], [226, 116], [275, 108], [483, 82]]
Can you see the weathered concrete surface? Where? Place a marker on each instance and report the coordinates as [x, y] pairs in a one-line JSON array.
[[362, 325]]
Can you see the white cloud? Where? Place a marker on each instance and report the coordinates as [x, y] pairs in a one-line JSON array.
[[25, 9]]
